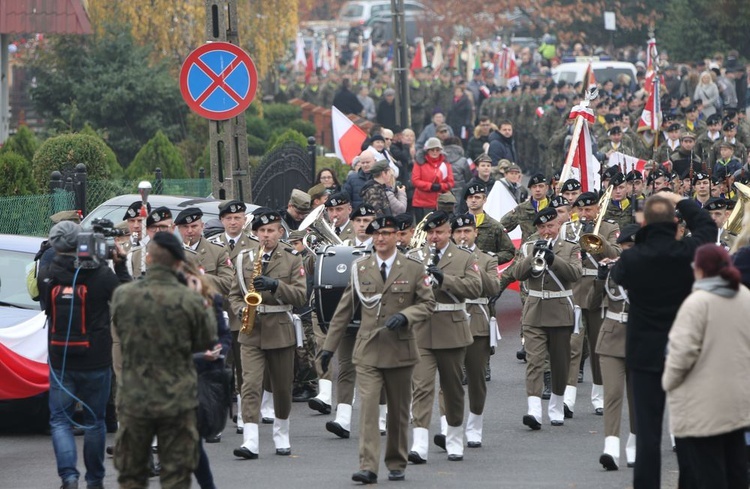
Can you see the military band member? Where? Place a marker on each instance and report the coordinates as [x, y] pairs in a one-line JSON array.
[[338, 206], [610, 347], [491, 235], [550, 266], [361, 218], [523, 214], [210, 258], [393, 294], [270, 345], [135, 225], [620, 208], [716, 207], [443, 338], [587, 207], [405, 231], [159, 219]]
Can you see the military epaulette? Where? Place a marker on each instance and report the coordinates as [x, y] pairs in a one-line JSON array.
[[611, 221], [219, 243], [570, 239], [252, 237], [491, 253], [189, 250], [465, 249], [215, 240], [414, 258]]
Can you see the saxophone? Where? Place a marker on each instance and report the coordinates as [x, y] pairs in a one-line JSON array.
[[252, 298]]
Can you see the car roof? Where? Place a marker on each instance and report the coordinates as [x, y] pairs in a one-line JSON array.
[[24, 244], [578, 65]]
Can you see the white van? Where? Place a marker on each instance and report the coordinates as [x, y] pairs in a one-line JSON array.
[[603, 70], [359, 12]]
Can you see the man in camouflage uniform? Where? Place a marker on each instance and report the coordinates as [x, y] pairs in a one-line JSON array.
[[552, 121], [160, 323], [523, 214], [706, 140], [442, 93], [491, 235], [311, 92], [620, 208]]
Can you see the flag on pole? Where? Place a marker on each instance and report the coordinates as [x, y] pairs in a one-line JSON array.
[[500, 202], [310, 66], [437, 58], [469, 61], [626, 163], [368, 55], [652, 67], [23, 359], [322, 61], [585, 167], [300, 60], [347, 136], [506, 67], [589, 80], [420, 57], [651, 115]]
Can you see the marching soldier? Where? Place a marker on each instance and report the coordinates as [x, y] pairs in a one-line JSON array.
[[685, 157], [610, 347], [620, 210], [523, 214], [443, 338], [269, 345], [491, 235], [588, 208], [159, 219], [338, 206], [404, 231], [393, 295], [634, 180], [550, 266], [716, 207], [212, 259], [135, 225], [571, 189]]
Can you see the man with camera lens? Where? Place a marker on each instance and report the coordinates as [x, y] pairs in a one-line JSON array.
[[76, 291]]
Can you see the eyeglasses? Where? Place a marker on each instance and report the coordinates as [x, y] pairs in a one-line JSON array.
[[383, 234], [326, 177]]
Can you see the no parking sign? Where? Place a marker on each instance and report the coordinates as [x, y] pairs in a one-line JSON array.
[[218, 80]]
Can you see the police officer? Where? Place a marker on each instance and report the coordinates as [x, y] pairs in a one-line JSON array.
[[523, 214], [550, 266], [443, 339], [211, 258], [393, 294], [159, 219], [491, 235], [271, 342]]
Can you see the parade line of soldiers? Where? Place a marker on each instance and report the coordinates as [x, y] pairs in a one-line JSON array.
[[420, 300]]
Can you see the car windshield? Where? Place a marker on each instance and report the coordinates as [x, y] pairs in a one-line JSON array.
[[352, 11], [114, 213], [13, 279]]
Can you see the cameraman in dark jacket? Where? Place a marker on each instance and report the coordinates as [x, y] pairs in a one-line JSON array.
[[657, 275], [80, 355]]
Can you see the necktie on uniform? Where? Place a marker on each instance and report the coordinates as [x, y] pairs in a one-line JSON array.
[[382, 271], [338, 231], [231, 244], [436, 258]]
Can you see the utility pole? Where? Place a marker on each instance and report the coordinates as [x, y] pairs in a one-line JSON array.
[[400, 65], [230, 168]]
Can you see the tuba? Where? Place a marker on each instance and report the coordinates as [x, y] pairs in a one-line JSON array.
[[317, 223], [734, 223], [420, 235], [592, 243], [253, 299]]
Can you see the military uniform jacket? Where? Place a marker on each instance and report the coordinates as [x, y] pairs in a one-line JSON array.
[[493, 238], [406, 291], [243, 243], [214, 260], [481, 313], [620, 213], [136, 261], [450, 329], [611, 340], [582, 291], [274, 329], [522, 215], [550, 312], [347, 232]]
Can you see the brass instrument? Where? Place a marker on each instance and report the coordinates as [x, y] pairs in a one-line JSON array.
[[317, 223], [734, 223], [253, 299], [592, 243], [420, 235], [538, 263]]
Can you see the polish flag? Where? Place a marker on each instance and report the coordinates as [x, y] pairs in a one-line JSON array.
[[437, 58], [626, 163], [23, 359], [651, 115], [300, 60], [420, 57], [347, 136], [585, 167], [506, 67], [500, 202]]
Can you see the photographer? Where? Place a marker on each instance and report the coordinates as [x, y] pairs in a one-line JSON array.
[[76, 302]]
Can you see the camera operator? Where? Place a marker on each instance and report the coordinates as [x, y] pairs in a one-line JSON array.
[[80, 349]]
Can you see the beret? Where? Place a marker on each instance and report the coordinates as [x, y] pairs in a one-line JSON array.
[[157, 215], [477, 188], [377, 137], [715, 204], [265, 217], [658, 173], [462, 221], [537, 179], [231, 207], [586, 199], [558, 201], [337, 199], [673, 127], [614, 130], [363, 210], [380, 223], [698, 176], [436, 219], [188, 216], [544, 216], [571, 185], [633, 175], [64, 235], [611, 171], [169, 242], [404, 221], [617, 179], [627, 233], [134, 210]]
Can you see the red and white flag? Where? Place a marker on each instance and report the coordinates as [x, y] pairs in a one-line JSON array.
[[23, 359], [347, 136], [300, 60], [437, 58], [651, 115], [626, 163], [506, 67], [369, 53], [420, 56], [500, 202], [585, 167]]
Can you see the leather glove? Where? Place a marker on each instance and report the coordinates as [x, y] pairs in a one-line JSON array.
[[549, 257], [325, 359], [396, 321], [602, 271], [437, 273], [265, 283], [436, 187]]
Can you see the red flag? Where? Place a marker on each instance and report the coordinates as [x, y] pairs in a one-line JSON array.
[[347, 136], [651, 115], [585, 167], [420, 57]]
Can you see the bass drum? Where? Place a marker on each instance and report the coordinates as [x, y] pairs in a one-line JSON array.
[[333, 270]]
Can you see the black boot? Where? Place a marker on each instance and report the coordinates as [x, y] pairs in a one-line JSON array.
[[521, 354], [547, 389]]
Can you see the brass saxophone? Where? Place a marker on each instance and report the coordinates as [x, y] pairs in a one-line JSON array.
[[252, 298]]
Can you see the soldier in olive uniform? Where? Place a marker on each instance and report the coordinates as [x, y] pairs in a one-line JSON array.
[[212, 259], [550, 267], [610, 347], [312, 90], [587, 208], [269, 346], [620, 208], [685, 156], [135, 225], [670, 144], [393, 295], [729, 132], [523, 214], [419, 98], [160, 322], [339, 207], [443, 339], [492, 236], [716, 207], [159, 219], [442, 94], [705, 141], [553, 121]]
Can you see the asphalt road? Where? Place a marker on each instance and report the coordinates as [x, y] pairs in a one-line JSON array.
[[512, 456]]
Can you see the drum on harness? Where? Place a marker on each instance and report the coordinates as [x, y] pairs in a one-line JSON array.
[[333, 271]]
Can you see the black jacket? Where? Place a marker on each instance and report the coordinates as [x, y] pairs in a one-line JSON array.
[[100, 283], [657, 275], [347, 102], [502, 148]]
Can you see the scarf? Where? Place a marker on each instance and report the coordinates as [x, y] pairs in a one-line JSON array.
[[715, 285], [439, 163]]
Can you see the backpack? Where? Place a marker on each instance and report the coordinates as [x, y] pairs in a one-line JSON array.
[[66, 316]]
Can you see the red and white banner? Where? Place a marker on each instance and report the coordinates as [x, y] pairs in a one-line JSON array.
[[585, 167], [23, 359], [506, 67], [651, 115], [347, 136], [300, 60], [420, 57], [626, 163], [500, 202], [437, 59]]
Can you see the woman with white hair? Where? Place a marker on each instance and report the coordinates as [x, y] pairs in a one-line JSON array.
[[708, 92]]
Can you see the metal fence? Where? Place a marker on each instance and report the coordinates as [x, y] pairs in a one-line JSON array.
[[29, 214], [99, 191]]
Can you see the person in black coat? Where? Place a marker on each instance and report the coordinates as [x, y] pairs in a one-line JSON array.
[[346, 101], [502, 144], [386, 112], [657, 275], [460, 115]]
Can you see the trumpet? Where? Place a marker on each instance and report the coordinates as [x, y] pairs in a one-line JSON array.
[[252, 299], [538, 263]]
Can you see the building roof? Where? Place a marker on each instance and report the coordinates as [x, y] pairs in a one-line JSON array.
[[44, 16]]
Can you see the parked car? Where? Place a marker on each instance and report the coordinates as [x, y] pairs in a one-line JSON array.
[[603, 70], [360, 11]]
